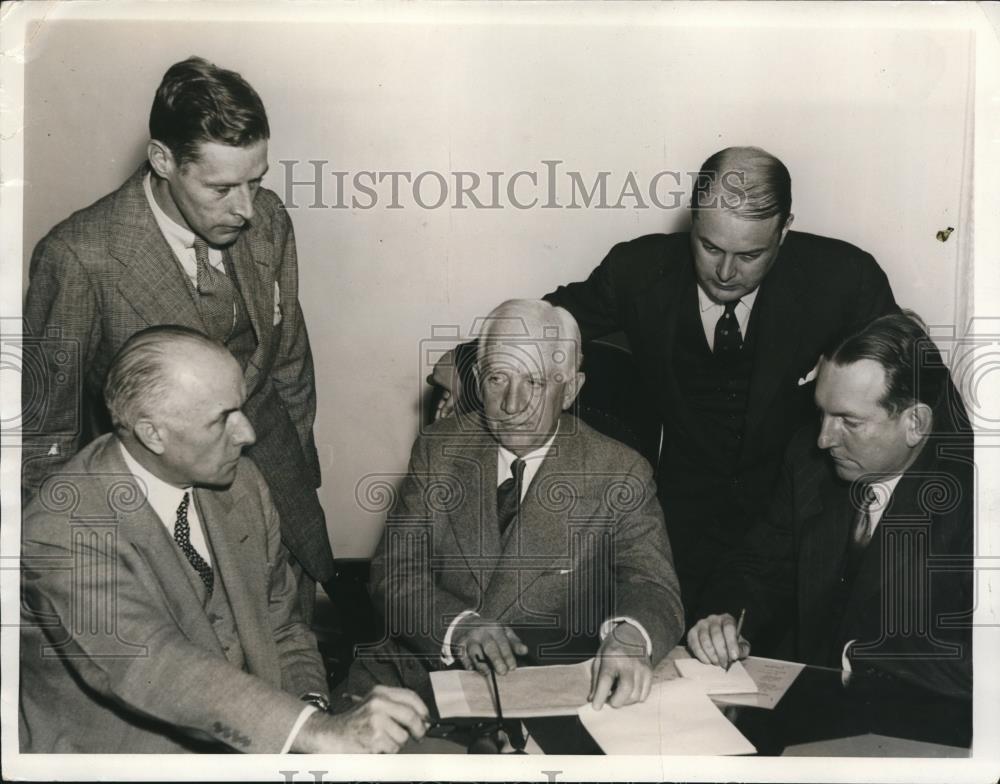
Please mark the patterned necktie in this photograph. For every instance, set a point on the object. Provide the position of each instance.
(728, 339)
(214, 298)
(509, 496)
(182, 535)
(861, 533)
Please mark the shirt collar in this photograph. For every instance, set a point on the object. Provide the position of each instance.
(171, 229)
(507, 457)
(705, 302)
(163, 497)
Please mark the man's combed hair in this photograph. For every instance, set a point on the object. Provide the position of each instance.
(915, 372)
(746, 181)
(199, 102)
(139, 378)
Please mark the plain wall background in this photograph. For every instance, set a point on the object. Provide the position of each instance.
(875, 126)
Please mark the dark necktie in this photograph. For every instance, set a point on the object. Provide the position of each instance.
(182, 535)
(215, 301)
(728, 340)
(509, 496)
(861, 534)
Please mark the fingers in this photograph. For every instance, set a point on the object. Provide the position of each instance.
(624, 684)
(719, 643)
(398, 713)
(712, 640)
(404, 696)
(519, 647)
(497, 648)
(744, 648)
(602, 688)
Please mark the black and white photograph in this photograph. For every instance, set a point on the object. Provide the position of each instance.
(608, 388)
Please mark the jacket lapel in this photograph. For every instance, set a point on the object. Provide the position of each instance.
(153, 282)
(237, 562)
(675, 289)
(776, 340)
(143, 530)
(256, 283)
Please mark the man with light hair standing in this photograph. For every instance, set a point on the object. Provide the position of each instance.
(160, 612)
(526, 525)
(725, 324)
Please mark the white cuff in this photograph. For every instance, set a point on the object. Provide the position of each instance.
(447, 658)
(307, 711)
(611, 623)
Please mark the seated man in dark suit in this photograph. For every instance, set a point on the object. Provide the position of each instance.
(524, 524)
(160, 611)
(725, 323)
(865, 557)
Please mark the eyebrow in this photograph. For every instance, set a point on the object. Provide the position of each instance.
(738, 252)
(214, 184)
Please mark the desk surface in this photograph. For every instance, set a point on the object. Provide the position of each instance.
(818, 707)
(818, 714)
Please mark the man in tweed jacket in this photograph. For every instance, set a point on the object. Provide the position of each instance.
(191, 239)
(465, 573)
(160, 613)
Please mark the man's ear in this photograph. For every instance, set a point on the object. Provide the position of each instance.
(786, 227)
(572, 388)
(148, 434)
(919, 422)
(160, 158)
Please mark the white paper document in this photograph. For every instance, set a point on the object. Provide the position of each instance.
(553, 690)
(715, 680)
(677, 719)
(772, 676)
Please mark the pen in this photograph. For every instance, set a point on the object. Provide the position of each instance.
(739, 628)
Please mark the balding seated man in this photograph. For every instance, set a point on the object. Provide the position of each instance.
(521, 526)
(160, 610)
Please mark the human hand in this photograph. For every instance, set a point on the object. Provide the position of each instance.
(446, 376)
(622, 672)
(380, 723)
(475, 638)
(712, 640)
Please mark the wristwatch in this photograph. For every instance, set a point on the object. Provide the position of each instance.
(317, 699)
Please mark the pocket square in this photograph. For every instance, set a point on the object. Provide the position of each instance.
(810, 376)
(277, 305)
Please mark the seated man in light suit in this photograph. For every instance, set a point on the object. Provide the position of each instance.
(865, 560)
(160, 610)
(524, 522)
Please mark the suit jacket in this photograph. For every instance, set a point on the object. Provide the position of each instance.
(117, 651)
(817, 289)
(107, 272)
(589, 544)
(909, 606)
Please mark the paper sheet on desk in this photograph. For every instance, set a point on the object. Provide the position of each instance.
(554, 690)
(715, 680)
(772, 676)
(678, 718)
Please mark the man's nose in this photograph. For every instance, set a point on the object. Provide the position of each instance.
(515, 399)
(827, 434)
(726, 269)
(243, 432)
(243, 202)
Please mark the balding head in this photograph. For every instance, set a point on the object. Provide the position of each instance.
(144, 372)
(747, 181)
(175, 397)
(528, 369)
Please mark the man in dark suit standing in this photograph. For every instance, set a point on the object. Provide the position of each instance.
(160, 612)
(725, 324)
(527, 524)
(864, 560)
(190, 238)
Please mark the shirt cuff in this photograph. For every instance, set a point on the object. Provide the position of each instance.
(845, 662)
(611, 623)
(447, 659)
(307, 711)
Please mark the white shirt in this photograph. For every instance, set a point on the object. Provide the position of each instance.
(883, 494)
(712, 311)
(532, 462)
(180, 238)
(165, 498)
